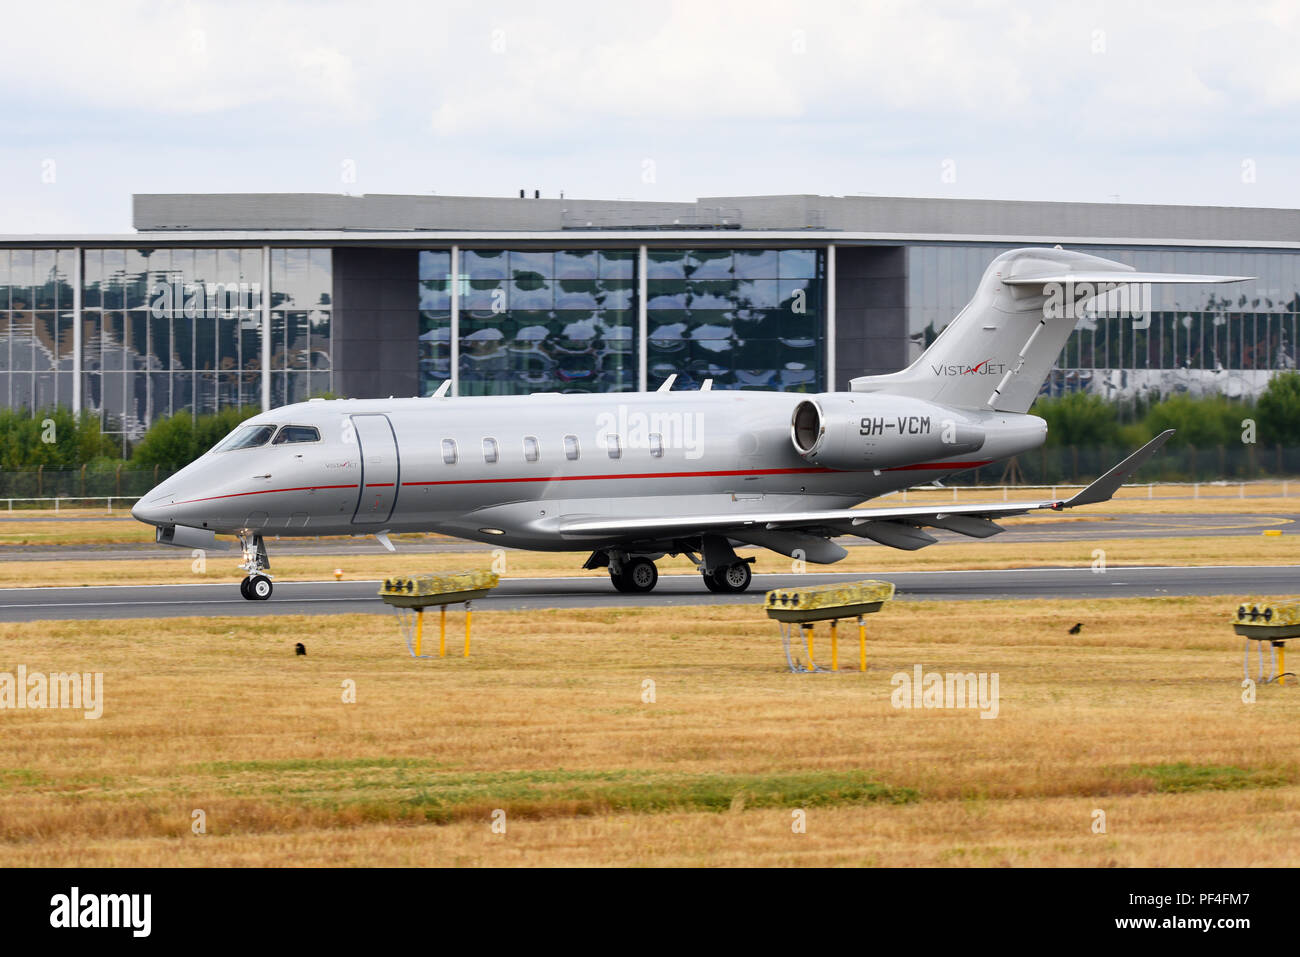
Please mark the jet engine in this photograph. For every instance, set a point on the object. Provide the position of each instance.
(858, 431)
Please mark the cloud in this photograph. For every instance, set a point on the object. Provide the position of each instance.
(1033, 100)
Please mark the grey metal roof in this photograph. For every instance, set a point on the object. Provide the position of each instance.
(874, 216)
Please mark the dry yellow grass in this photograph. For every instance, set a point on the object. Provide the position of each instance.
(1140, 716)
(221, 566)
(41, 527)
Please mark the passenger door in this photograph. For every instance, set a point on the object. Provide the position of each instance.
(380, 469)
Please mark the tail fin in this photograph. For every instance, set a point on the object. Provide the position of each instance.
(1000, 348)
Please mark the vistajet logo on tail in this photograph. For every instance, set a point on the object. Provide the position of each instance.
(987, 367)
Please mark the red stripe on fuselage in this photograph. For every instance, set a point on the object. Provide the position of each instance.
(262, 491)
(936, 466)
(631, 475)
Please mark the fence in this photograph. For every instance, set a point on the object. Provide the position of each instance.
(58, 503)
(1264, 488)
(1073, 465)
(86, 482)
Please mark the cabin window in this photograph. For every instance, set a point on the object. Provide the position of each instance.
(656, 445)
(612, 445)
(490, 453)
(449, 451)
(248, 437)
(297, 433)
(571, 450)
(532, 451)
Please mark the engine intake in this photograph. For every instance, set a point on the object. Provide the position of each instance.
(857, 432)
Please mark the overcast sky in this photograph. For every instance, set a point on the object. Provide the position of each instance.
(1181, 102)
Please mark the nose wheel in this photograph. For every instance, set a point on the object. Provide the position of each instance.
(256, 588)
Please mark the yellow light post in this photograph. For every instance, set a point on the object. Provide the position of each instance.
(419, 630)
(442, 633)
(835, 647)
(862, 644)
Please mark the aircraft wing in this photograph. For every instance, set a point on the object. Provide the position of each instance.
(899, 527)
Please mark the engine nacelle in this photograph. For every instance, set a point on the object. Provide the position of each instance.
(850, 431)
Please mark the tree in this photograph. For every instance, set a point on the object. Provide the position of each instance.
(1206, 422)
(1078, 418)
(174, 442)
(51, 438)
(1278, 411)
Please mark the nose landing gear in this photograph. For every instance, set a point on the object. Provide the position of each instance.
(256, 586)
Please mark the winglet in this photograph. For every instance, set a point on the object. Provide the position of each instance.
(1106, 486)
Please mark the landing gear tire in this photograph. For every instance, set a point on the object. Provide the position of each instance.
(639, 575)
(259, 588)
(243, 589)
(732, 578)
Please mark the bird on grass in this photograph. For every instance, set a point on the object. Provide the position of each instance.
(300, 649)
(1077, 628)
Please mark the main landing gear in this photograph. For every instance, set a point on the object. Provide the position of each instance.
(256, 586)
(722, 570)
(729, 578)
(636, 575)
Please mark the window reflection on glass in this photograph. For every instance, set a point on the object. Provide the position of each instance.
(531, 321)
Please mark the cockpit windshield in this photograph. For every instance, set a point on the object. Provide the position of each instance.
(245, 437)
(297, 433)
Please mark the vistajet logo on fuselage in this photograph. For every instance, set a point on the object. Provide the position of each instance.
(987, 367)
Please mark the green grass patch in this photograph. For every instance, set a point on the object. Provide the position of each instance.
(543, 794)
(1182, 778)
(21, 778)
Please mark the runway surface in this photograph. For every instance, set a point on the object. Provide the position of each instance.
(1047, 528)
(317, 598)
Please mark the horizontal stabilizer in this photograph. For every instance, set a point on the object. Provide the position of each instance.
(1101, 276)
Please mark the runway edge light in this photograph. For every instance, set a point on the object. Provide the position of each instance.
(411, 595)
(804, 606)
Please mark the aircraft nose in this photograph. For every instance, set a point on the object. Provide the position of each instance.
(149, 514)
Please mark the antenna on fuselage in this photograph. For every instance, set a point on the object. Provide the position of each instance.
(442, 390)
(667, 384)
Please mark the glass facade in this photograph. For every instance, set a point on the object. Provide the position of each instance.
(169, 328)
(1225, 339)
(746, 318)
(163, 330)
(567, 320)
(36, 335)
(531, 320)
(301, 310)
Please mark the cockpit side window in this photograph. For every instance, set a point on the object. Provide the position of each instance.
(246, 437)
(297, 433)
